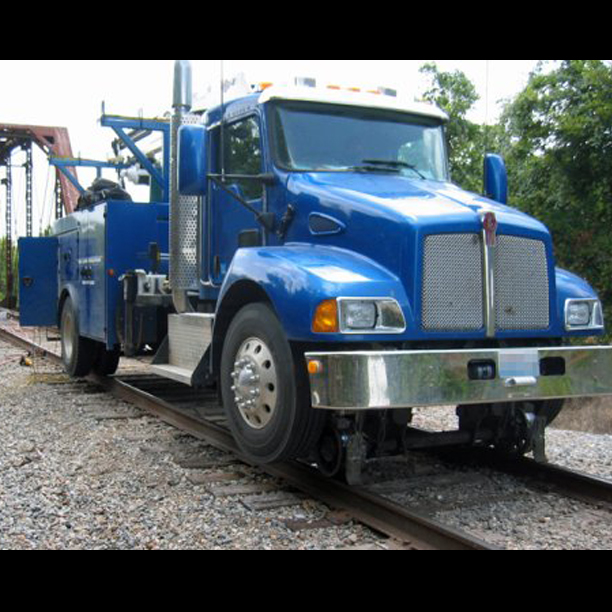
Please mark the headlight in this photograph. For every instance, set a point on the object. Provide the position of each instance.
(371, 316)
(583, 315)
(359, 316)
(578, 314)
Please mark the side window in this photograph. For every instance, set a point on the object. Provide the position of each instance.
(243, 154)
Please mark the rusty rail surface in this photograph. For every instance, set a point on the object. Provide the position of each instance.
(407, 529)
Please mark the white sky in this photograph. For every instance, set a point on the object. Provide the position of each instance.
(69, 93)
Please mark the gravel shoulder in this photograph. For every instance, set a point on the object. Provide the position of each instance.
(81, 470)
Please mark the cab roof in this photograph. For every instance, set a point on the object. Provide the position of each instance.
(344, 97)
(239, 107)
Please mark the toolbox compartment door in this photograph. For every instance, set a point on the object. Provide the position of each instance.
(38, 282)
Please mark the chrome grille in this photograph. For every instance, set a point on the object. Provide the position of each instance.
(453, 283)
(453, 286)
(522, 296)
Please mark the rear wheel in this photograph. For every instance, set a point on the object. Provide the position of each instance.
(265, 391)
(106, 362)
(78, 353)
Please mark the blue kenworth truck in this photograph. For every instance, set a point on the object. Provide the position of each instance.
(315, 264)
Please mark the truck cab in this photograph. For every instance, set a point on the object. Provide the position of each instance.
(327, 277)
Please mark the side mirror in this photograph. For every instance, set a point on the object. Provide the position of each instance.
(496, 178)
(192, 161)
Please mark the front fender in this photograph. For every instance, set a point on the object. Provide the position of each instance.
(296, 278)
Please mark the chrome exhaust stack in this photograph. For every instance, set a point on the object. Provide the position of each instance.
(184, 210)
(183, 86)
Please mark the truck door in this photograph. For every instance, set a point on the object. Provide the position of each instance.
(38, 282)
(243, 157)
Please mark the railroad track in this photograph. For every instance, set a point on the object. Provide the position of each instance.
(200, 416)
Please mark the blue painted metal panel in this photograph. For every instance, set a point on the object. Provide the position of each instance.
(226, 217)
(66, 166)
(298, 277)
(71, 251)
(68, 232)
(193, 160)
(229, 218)
(120, 124)
(38, 286)
(385, 220)
(496, 178)
(130, 230)
(97, 246)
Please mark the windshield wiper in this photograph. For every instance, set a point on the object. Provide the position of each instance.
(365, 167)
(396, 165)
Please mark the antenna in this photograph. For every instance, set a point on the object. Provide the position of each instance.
(486, 127)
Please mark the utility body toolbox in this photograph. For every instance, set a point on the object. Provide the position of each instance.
(87, 261)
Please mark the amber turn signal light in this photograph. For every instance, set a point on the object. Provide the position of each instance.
(326, 318)
(315, 367)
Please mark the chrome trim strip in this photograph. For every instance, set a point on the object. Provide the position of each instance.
(488, 269)
(367, 380)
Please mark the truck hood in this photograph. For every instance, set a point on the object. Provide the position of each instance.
(425, 205)
(386, 219)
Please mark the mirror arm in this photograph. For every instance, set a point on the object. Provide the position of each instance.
(266, 220)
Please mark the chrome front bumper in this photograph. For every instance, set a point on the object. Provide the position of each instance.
(400, 379)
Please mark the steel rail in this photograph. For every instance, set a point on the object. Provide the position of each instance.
(571, 483)
(406, 528)
(27, 344)
(403, 526)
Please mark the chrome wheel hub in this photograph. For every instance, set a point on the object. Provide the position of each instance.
(255, 383)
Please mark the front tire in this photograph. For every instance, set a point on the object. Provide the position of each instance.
(265, 390)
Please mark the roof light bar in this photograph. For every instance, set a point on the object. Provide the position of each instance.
(312, 83)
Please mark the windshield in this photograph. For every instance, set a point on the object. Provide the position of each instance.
(322, 137)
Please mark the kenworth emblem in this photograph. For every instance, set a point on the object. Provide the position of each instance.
(489, 223)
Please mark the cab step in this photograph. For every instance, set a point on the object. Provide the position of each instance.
(181, 357)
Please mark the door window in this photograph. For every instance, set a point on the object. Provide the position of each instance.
(243, 156)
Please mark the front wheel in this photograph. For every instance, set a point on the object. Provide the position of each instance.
(264, 389)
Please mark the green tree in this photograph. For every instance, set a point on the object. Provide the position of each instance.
(559, 156)
(454, 93)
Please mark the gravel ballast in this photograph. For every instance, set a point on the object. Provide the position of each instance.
(82, 470)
